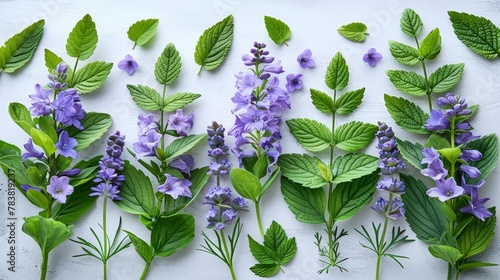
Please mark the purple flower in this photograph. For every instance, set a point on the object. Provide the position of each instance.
(28, 187)
(217, 195)
(476, 207)
(472, 171)
(435, 170)
(59, 188)
(394, 211)
(128, 64)
(305, 60)
(146, 123)
(66, 145)
(465, 137)
(274, 68)
(31, 151)
(445, 190)
(40, 102)
(253, 119)
(147, 144)
(389, 166)
(469, 189)
(391, 185)
(223, 210)
(221, 168)
(175, 187)
(68, 110)
(180, 123)
(294, 82)
(58, 77)
(70, 173)
(106, 190)
(372, 57)
(246, 83)
(429, 155)
(184, 164)
(437, 121)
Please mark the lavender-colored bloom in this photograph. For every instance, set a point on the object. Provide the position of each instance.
(445, 189)
(429, 155)
(70, 173)
(437, 121)
(223, 210)
(465, 137)
(217, 195)
(246, 83)
(28, 187)
(391, 185)
(248, 60)
(253, 119)
(472, 171)
(394, 211)
(175, 187)
(304, 59)
(128, 64)
(31, 151)
(469, 189)
(242, 100)
(58, 77)
(66, 145)
(60, 188)
(146, 123)
(274, 68)
(389, 166)
(435, 170)
(106, 190)
(68, 110)
(184, 164)
(238, 203)
(476, 207)
(372, 57)
(222, 168)
(147, 144)
(180, 122)
(40, 102)
(294, 82)
(470, 155)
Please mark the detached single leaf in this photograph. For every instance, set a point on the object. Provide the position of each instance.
(337, 73)
(179, 100)
(278, 31)
(82, 40)
(301, 169)
(349, 101)
(322, 101)
(47, 233)
(354, 31)
(407, 115)
(307, 204)
(19, 49)
(312, 135)
(403, 53)
(354, 136)
(51, 60)
(214, 44)
(407, 82)
(142, 31)
(91, 76)
(352, 166)
(410, 23)
(446, 77)
(145, 97)
(168, 65)
(95, 125)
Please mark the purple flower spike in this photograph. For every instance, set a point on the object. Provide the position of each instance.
(305, 60)
(31, 151)
(66, 145)
(294, 82)
(476, 207)
(128, 64)
(175, 187)
(60, 188)
(445, 190)
(372, 57)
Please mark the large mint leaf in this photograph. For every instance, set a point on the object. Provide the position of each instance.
(171, 234)
(82, 40)
(308, 205)
(179, 100)
(168, 65)
(431, 45)
(488, 146)
(301, 169)
(446, 77)
(349, 101)
(352, 166)
(407, 115)
(94, 126)
(312, 135)
(477, 236)
(142, 31)
(337, 73)
(403, 53)
(214, 44)
(354, 31)
(91, 76)
(145, 97)
(278, 31)
(410, 23)
(354, 136)
(407, 82)
(182, 145)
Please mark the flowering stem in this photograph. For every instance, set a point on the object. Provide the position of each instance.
(74, 71)
(381, 242)
(259, 220)
(145, 271)
(228, 256)
(45, 259)
(105, 241)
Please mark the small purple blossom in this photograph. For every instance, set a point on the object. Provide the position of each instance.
(147, 144)
(294, 82)
(437, 121)
(175, 187)
(476, 207)
(40, 102)
(274, 68)
(435, 170)
(180, 122)
(28, 187)
(445, 190)
(59, 188)
(429, 155)
(128, 64)
(223, 208)
(472, 171)
(184, 164)
(372, 57)
(66, 145)
(106, 190)
(394, 211)
(304, 59)
(391, 185)
(469, 189)
(70, 173)
(31, 151)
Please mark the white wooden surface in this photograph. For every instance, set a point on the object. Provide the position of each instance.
(314, 24)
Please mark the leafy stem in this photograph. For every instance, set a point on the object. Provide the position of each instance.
(105, 239)
(74, 71)
(259, 220)
(228, 256)
(145, 271)
(162, 116)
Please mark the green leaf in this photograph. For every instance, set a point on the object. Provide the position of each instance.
(354, 136)
(94, 126)
(19, 49)
(141, 247)
(446, 77)
(82, 40)
(423, 213)
(322, 101)
(214, 44)
(37, 198)
(47, 233)
(182, 145)
(142, 31)
(479, 34)
(352, 166)
(261, 253)
(474, 264)
(77, 204)
(265, 270)
(278, 31)
(349, 197)
(246, 184)
(448, 254)
(14, 162)
(431, 45)
(407, 82)
(51, 60)
(21, 116)
(47, 124)
(325, 171)
(269, 181)
(354, 31)
(145, 97)
(136, 192)
(478, 234)
(337, 73)
(403, 53)
(91, 76)
(172, 233)
(301, 169)
(307, 204)
(407, 115)
(349, 101)
(411, 152)
(168, 65)
(260, 167)
(410, 23)
(488, 146)
(312, 135)
(437, 142)
(179, 100)
(43, 140)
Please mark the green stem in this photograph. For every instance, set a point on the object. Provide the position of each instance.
(135, 44)
(427, 88)
(228, 256)
(457, 274)
(162, 139)
(45, 260)
(449, 272)
(105, 241)
(74, 71)
(145, 271)
(199, 71)
(259, 220)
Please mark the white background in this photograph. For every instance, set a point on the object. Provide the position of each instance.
(313, 24)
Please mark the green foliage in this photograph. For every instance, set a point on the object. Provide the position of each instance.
(178, 100)
(91, 76)
(307, 204)
(337, 73)
(488, 146)
(136, 192)
(278, 31)
(95, 124)
(411, 152)
(43, 141)
(312, 135)
(447, 253)
(47, 233)
(168, 65)
(322, 101)
(182, 145)
(431, 45)
(403, 53)
(408, 82)
(141, 247)
(349, 101)
(145, 97)
(142, 31)
(214, 44)
(21, 116)
(352, 166)
(354, 136)
(246, 184)
(410, 23)
(354, 31)
(82, 40)
(51, 60)
(407, 115)
(37, 198)
(476, 237)
(301, 169)
(446, 77)
(172, 233)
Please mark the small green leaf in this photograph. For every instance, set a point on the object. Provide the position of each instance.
(312, 135)
(451, 154)
(488, 147)
(214, 44)
(407, 115)
(171, 234)
(354, 136)
(141, 247)
(265, 270)
(354, 31)
(246, 184)
(437, 142)
(278, 31)
(269, 181)
(325, 171)
(307, 204)
(410, 23)
(14, 162)
(37, 178)
(403, 53)
(261, 253)
(95, 125)
(19, 49)
(431, 45)
(301, 169)
(43, 140)
(474, 264)
(91, 76)
(352, 166)
(260, 167)
(349, 101)
(322, 101)
(408, 82)
(168, 65)
(47, 233)
(179, 100)
(411, 152)
(21, 116)
(37, 198)
(142, 31)
(51, 60)
(145, 97)
(478, 234)
(47, 124)
(446, 77)
(448, 254)
(337, 73)
(82, 40)
(479, 34)
(77, 204)
(183, 145)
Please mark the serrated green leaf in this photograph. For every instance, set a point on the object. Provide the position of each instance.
(448, 254)
(91, 76)
(82, 40)
(179, 100)
(403, 53)
(141, 247)
(182, 145)
(246, 184)
(145, 97)
(407, 115)
(214, 44)
(354, 136)
(260, 252)
(301, 169)
(488, 147)
(446, 77)
(337, 73)
(19, 49)
(286, 251)
(478, 234)
(411, 152)
(12, 161)
(479, 34)
(43, 141)
(95, 125)
(325, 171)
(322, 101)
(171, 234)
(51, 60)
(307, 204)
(352, 166)
(408, 82)
(278, 31)
(21, 116)
(349, 101)
(431, 45)
(265, 270)
(354, 31)
(274, 236)
(47, 233)
(168, 65)
(142, 31)
(410, 23)
(312, 135)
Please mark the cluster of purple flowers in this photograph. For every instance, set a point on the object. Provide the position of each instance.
(217, 150)
(390, 166)
(224, 209)
(108, 178)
